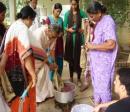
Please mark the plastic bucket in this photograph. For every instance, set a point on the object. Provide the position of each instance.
(82, 108)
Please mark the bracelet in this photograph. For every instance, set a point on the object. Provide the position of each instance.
(94, 47)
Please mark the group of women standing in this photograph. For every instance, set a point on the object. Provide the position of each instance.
(102, 48)
(74, 39)
(28, 56)
(24, 58)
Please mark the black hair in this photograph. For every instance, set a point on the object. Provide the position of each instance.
(58, 6)
(75, 0)
(124, 77)
(74, 18)
(2, 7)
(54, 28)
(26, 12)
(96, 7)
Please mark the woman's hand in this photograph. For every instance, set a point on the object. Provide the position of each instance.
(97, 108)
(81, 30)
(53, 66)
(33, 80)
(45, 60)
(29, 65)
(104, 105)
(106, 46)
(70, 30)
(90, 46)
(61, 34)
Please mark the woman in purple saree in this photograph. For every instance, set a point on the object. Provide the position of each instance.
(103, 51)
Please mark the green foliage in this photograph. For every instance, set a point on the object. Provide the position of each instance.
(7, 6)
(118, 9)
(6, 2)
(20, 4)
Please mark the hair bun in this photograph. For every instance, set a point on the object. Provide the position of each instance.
(19, 15)
(104, 9)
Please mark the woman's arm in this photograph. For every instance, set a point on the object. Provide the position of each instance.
(30, 68)
(107, 45)
(104, 105)
(3, 60)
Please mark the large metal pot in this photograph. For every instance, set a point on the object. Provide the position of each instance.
(65, 97)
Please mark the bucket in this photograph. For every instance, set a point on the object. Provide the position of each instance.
(82, 108)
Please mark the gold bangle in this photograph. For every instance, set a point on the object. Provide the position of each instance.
(94, 47)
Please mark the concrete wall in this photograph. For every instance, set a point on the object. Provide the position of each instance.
(124, 36)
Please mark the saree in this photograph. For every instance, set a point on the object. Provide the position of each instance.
(102, 63)
(59, 49)
(44, 87)
(17, 48)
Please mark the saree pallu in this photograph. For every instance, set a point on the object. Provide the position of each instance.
(44, 86)
(17, 79)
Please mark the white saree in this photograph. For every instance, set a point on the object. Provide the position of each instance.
(44, 87)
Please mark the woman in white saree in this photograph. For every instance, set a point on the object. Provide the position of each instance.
(43, 38)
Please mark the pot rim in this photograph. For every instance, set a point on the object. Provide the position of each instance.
(73, 90)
